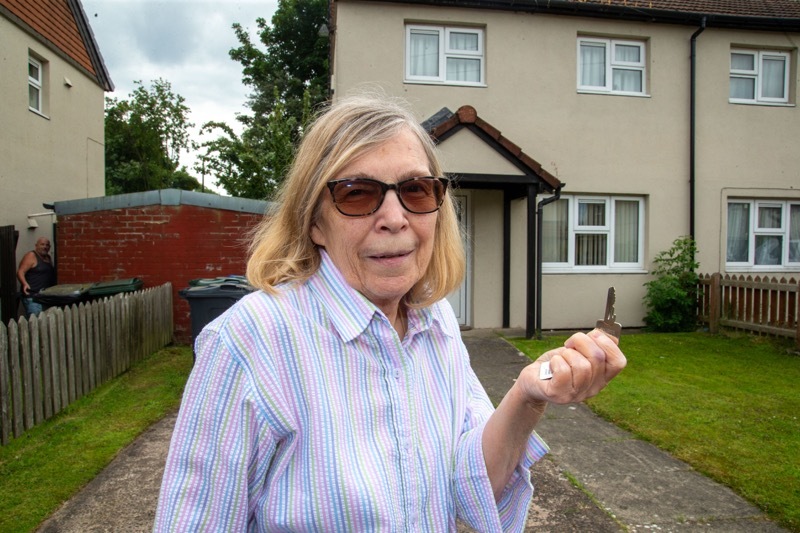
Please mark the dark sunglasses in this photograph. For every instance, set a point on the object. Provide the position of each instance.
(358, 197)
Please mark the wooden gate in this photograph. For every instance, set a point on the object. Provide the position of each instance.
(8, 273)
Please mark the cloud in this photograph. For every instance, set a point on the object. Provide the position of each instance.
(185, 42)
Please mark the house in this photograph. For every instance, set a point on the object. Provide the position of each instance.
(53, 83)
(629, 123)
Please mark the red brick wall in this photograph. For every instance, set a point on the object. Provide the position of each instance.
(157, 244)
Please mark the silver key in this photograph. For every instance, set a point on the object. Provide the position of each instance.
(608, 324)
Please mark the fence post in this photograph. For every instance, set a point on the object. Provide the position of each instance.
(714, 303)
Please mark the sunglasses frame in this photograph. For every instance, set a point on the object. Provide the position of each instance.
(384, 187)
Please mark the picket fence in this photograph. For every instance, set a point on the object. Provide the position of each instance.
(50, 360)
(764, 305)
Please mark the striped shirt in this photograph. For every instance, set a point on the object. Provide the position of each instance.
(306, 412)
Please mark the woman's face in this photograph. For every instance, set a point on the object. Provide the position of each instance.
(384, 254)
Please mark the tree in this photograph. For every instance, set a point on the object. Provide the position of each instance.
(253, 165)
(289, 77)
(144, 138)
(671, 298)
(294, 61)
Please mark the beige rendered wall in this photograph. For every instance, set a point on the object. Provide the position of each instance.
(58, 155)
(595, 143)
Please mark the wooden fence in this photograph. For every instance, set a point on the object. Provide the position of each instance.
(61, 355)
(768, 306)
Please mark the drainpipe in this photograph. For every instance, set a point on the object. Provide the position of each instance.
(692, 126)
(542, 203)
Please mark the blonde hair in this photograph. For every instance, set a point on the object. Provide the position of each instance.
(281, 248)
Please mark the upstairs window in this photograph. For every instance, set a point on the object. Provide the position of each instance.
(34, 85)
(763, 235)
(759, 77)
(593, 234)
(611, 66)
(446, 55)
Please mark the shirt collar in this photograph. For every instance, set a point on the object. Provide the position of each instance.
(351, 312)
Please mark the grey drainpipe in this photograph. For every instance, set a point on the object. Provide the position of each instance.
(692, 126)
(542, 203)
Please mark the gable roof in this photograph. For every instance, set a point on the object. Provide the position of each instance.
(445, 123)
(62, 26)
(766, 15)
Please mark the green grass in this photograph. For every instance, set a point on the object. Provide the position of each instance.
(729, 405)
(50, 463)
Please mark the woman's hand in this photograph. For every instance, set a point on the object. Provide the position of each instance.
(581, 368)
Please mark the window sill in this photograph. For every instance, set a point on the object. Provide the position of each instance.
(763, 104)
(576, 270)
(765, 269)
(35, 112)
(612, 93)
(446, 83)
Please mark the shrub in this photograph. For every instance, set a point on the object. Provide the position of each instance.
(671, 298)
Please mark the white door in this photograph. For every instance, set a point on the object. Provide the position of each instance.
(460, 297)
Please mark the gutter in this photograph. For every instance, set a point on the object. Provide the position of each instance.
(542, 203)
(693, 127)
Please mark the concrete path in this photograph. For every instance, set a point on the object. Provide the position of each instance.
(626, 484)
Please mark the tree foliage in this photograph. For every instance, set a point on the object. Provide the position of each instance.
(144, 138)
(288, 75)
(671, 298)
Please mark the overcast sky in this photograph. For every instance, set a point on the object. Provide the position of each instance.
(185, 42)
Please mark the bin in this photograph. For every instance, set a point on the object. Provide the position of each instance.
(110, 288)
(208, 301)
(63, 295)
(232, 279)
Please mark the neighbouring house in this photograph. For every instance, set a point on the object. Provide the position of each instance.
(53, 83)
(586, 136)
(157, 236)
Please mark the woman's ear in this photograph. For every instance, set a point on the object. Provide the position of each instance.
(317, 235)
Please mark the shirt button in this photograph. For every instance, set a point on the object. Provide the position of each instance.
(396, 374)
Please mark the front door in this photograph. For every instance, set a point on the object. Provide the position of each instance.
(459, 298)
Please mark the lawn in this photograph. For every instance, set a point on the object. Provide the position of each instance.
(51, 462)
(729, 405)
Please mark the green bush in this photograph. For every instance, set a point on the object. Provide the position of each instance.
(671, 298)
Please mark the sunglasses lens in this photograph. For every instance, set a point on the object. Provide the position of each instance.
(357, 197)
(422, 195)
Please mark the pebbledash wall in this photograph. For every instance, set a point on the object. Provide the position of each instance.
(157, 236)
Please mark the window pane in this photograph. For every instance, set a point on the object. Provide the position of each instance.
(33, 97)
(424, 49)
(464, 41)
(794, 233)
(593, 65)
(555, 227)
(738, 232)
(772, 77)
(627, 80)
(743, 88)
(769, 217)
(768, 249)
(34, 72)
(591, 214)
(459, 69)
(626, 231)
(627, 53)
(590, 249)
(743, 62)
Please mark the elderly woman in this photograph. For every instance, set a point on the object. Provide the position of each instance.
(340, 397)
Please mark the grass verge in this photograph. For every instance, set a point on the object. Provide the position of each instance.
(51, 462)
(729, 405)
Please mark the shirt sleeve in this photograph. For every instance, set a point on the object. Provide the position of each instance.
(475, 502)
(220, 450)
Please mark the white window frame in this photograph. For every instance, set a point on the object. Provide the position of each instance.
(754, 231)
(446, 52)
(612, 64)
(575, 228)
(757, 75)
(36, 83)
